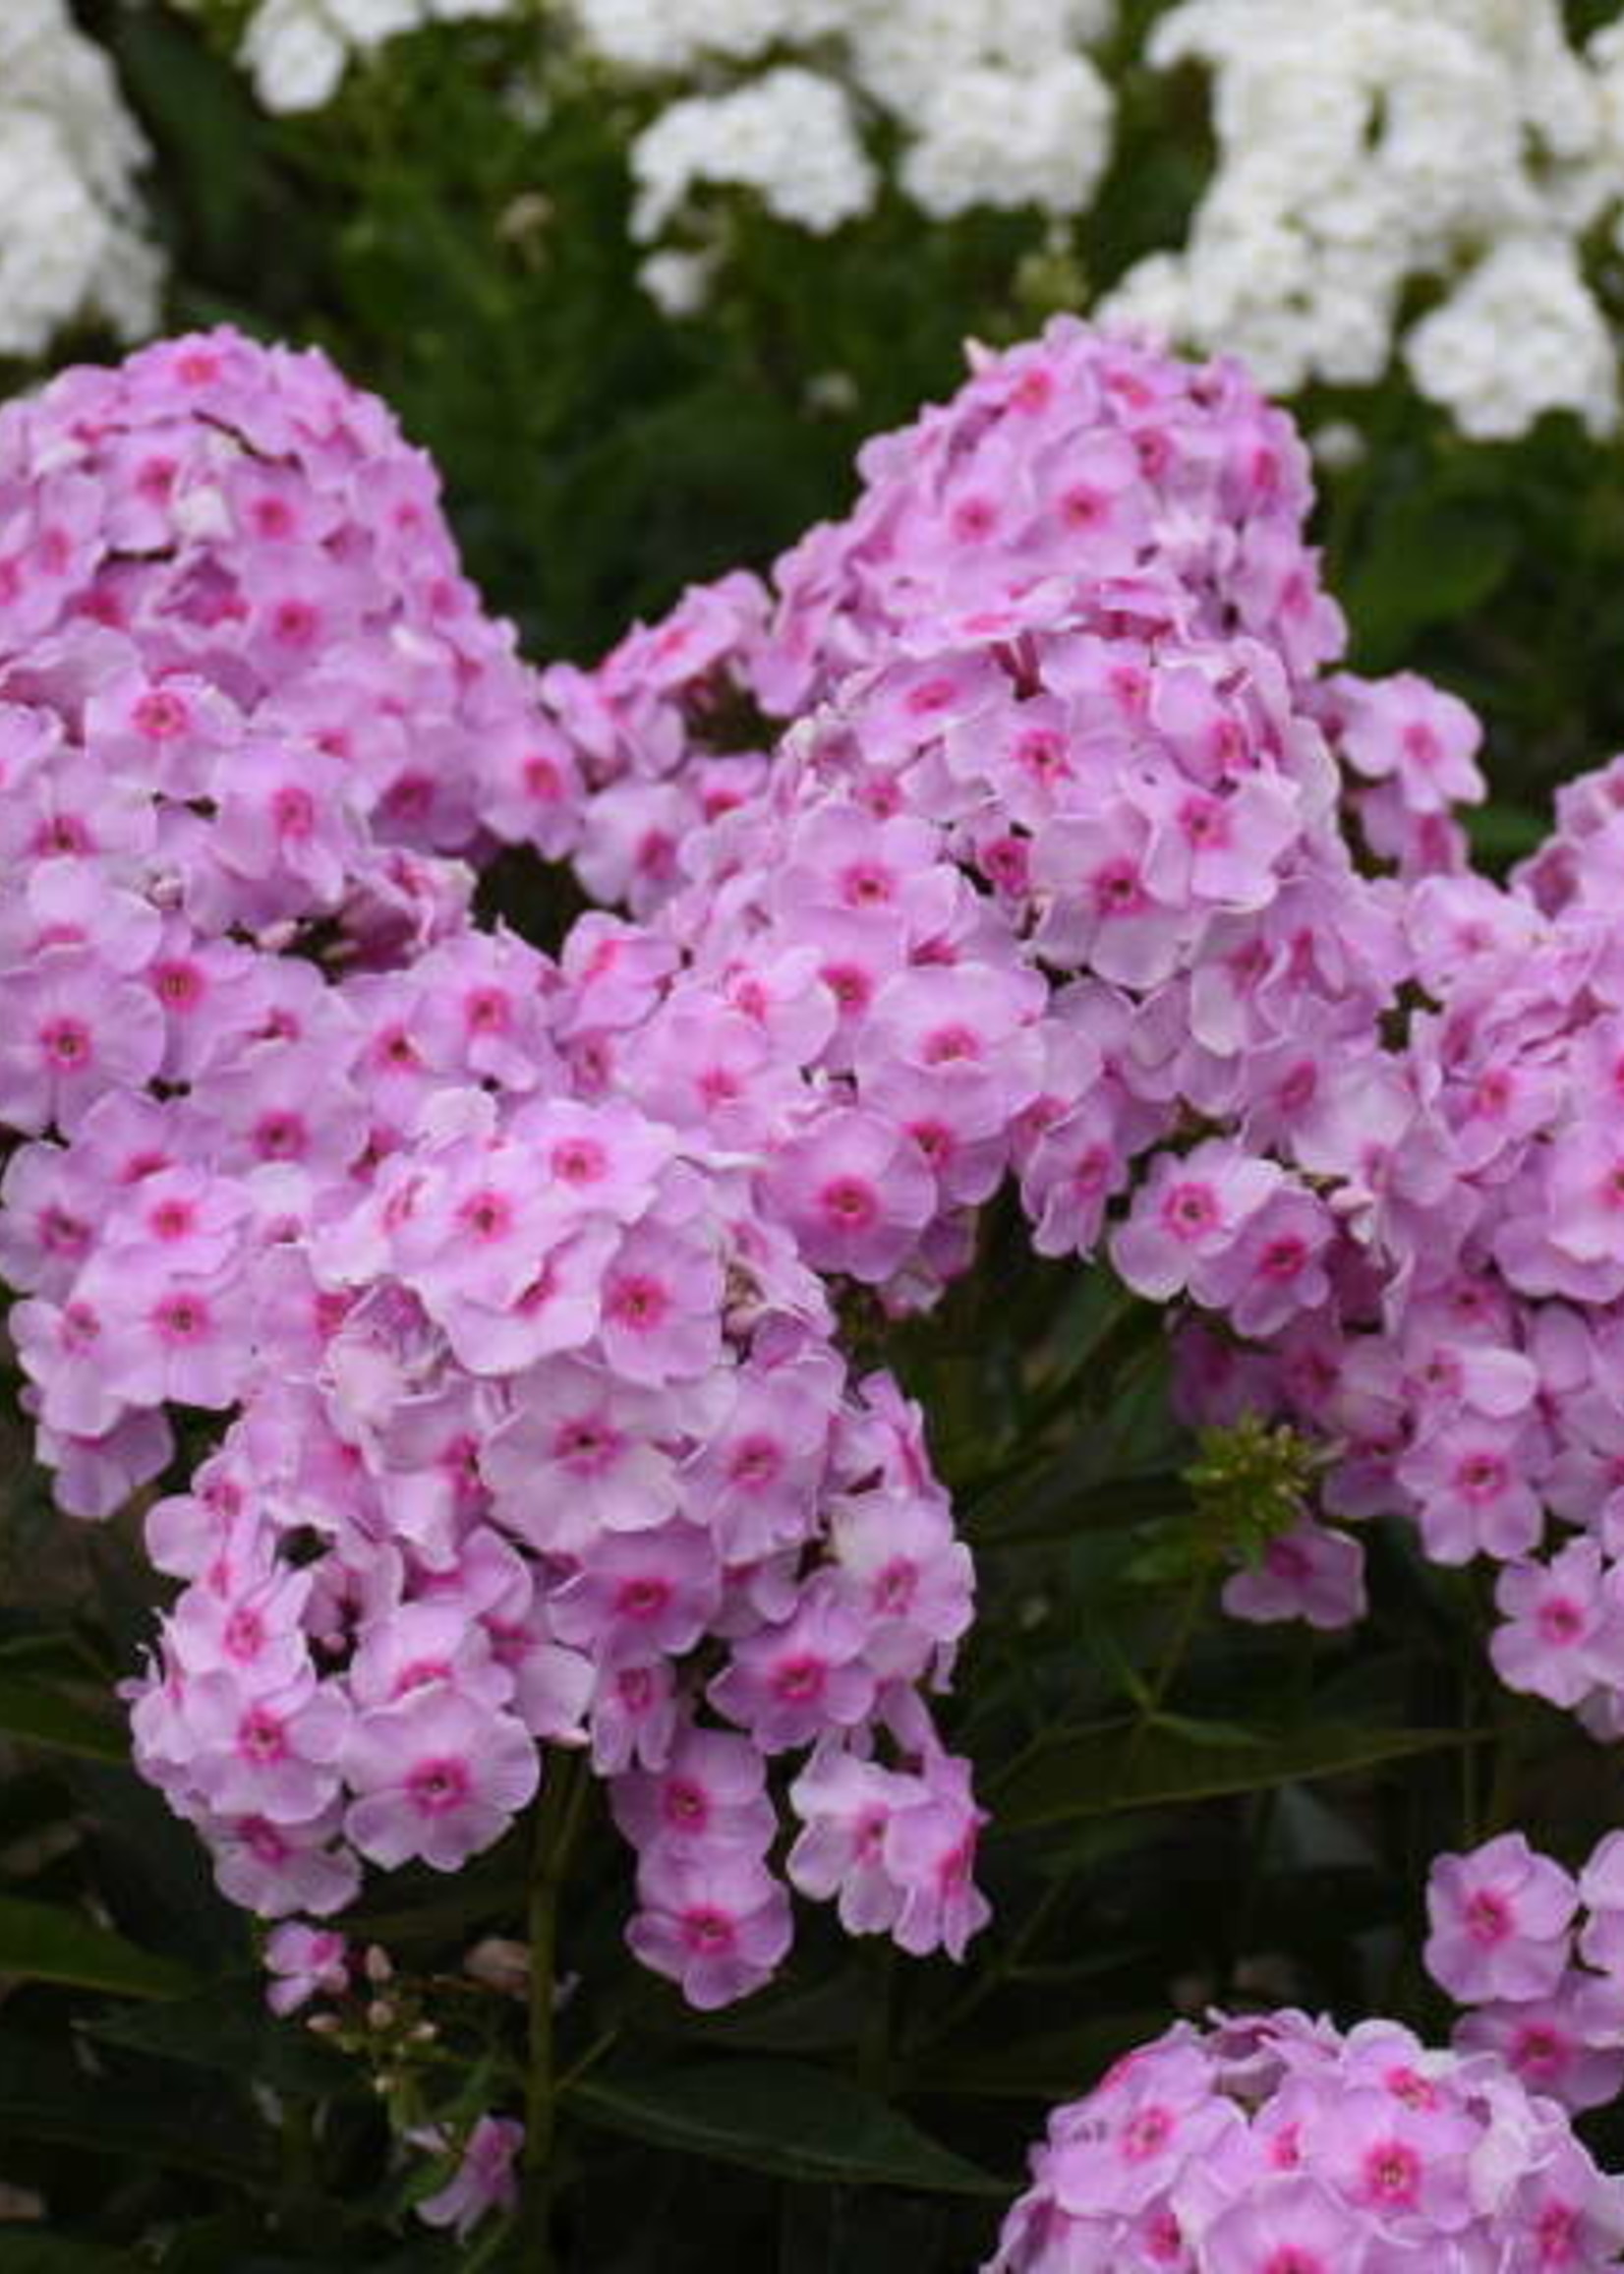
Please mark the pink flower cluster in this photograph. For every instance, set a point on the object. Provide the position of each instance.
(243, 692)
(1546, 1992)
(522, 1278)
(542, 1436)
(1080, 844)
(1276, 2144)
(1113, 891)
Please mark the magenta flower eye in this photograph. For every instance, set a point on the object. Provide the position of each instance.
(67, 1043)
(179, 986)
(293, 813)
(710, 1932)
(1488, 1917)
(755, 1463)
(281, 1137)
(686, 1805)
(181, 1319)
(272, 517)
(295, 623)
(580, 1161)
(800, 1680)
(487, 1012)
(638, 1301)
(952, 1045)
(849, 1203)
(487, 1215)
(1146, 2133)
(63, 832)
(1392, 2174)
(1118, 891)
(1561, 1621)
(244, 1634)
(261, 1737)
(643, 1599)
(436, 1788)
(894, 1588)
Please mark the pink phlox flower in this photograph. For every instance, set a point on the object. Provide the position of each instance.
(1500, 1921)
(437, 1775)
(308, 1962)
(483, 2181)
(1312, 1573)
(1190, 1210)
(712, 1919)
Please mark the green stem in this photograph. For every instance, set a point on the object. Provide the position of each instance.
(1172, 1657)
(558, 1820)
(997, 1970)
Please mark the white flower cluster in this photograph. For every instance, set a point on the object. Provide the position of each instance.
(1420, 177)
(73, 245)
(994, 101)
(789, 136)
(299, 50)
(1366, 145)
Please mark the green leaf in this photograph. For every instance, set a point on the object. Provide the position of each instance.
(38, 2252)
(1096, 1772)
(36, 1716)
(1050, 1513)
(44, 2096)
(228, 2028)
(799, 2018)
(41, 1943)
(1429, 559)
(783, 2116)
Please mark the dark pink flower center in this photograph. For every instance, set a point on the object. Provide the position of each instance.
(1118, 891)
(579, 1161)
(1488, 1917)
(1145, 2132)
(66, 1042)
(1561, 1621)
(261, 1737)
(755, 1463)
(1190, 1210)
(848, 1203)
(797, 1682)
(244, 1635)
(182, 1318)
(684, 1804)
(1392, 2174)
(438, 1787)
(638, 1301)
(708, 1932)
(643, 1599)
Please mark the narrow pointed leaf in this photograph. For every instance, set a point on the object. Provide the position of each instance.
(36, 1716)
(785, 2117)
(1092, 1773)
(41, 1943)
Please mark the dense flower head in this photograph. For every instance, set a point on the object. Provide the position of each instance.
(1279, 2144)
(518, 1280)
(543, 1441)
(537, 1432)
(1075, 863)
